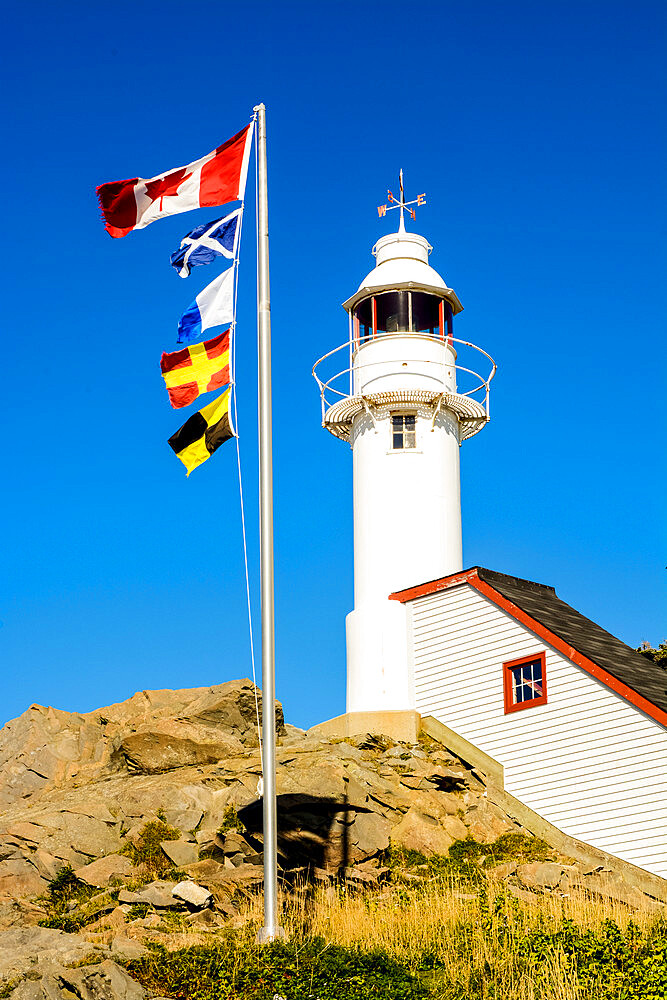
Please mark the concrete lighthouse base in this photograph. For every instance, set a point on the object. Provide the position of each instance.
(404, 727)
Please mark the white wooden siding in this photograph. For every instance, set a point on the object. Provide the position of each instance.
(588, 761)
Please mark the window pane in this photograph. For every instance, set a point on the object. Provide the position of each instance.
(363, 313)
(425, 311)
(404, 430)
(527, 681)
(527, 677)
(392, 312)
(397, 430)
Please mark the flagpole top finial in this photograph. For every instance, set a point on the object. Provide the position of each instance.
(259, 107)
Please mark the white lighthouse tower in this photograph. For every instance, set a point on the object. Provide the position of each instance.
(399, 393)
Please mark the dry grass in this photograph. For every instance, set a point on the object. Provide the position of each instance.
(404, 921)
(472, 941)
(460, 943)
(407, 922)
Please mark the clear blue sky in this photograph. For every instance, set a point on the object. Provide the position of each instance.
(536, 130)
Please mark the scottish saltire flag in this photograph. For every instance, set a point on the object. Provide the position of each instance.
(215, 179)
(214, 306)
(206, 242)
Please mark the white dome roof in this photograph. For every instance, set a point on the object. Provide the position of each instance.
(402, 262)
(402, 257)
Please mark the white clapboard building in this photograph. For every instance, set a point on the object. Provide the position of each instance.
(577, 719)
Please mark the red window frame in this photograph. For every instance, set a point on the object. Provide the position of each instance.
(511, 706)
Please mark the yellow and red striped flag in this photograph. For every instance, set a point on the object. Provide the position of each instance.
(196, 369)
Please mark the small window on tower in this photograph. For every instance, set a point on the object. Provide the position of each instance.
(403, 433)
(525, 682)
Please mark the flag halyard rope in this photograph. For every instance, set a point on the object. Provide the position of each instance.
(241, 502)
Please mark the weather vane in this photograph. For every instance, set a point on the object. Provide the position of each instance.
(401, 202)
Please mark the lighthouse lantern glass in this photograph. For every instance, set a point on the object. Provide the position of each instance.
(402, 312)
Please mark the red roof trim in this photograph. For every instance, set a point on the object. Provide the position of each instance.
(471, 577)
(433, 586)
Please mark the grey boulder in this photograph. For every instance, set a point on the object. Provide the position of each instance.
(194, 895)
(105, 981)
(157, 894)
(100, 873)
(25, 949)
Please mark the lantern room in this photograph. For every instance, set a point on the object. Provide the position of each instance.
(403, 311)
(402, 294)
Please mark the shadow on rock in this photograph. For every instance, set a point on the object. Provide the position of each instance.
(313, 832)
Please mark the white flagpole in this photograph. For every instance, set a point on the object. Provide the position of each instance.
(270, 931)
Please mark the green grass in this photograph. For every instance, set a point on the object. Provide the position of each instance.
(307, 969)
(61, 892)
(509, 847)
(566, 961)
(603, 964)
(466, 860)
(146, 851)
(609, 963)
(230, 821)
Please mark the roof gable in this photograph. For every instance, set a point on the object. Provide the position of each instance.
(591, 647)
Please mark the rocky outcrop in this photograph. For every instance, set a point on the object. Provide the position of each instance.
(187, 763)
(101, 872)
(29, 949)
(152, 731)
(190, 757)
(38, 963)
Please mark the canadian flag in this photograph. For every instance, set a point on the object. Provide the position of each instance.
(215, 179)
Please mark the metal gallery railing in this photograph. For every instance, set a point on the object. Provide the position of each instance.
(331, 393)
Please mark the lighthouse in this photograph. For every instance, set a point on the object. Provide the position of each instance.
(496, 668)
(405, 393)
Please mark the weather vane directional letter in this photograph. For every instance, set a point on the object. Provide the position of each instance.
(401, 202)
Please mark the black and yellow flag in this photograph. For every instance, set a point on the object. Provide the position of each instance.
(204, 432)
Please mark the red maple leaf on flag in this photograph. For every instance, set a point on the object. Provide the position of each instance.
(168, 185)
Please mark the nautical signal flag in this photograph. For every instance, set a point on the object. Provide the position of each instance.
(214, 306)
(204, 432)
(215, 179)
(207, 242)
(196, 369)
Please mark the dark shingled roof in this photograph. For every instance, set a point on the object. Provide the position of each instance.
(621, 661)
